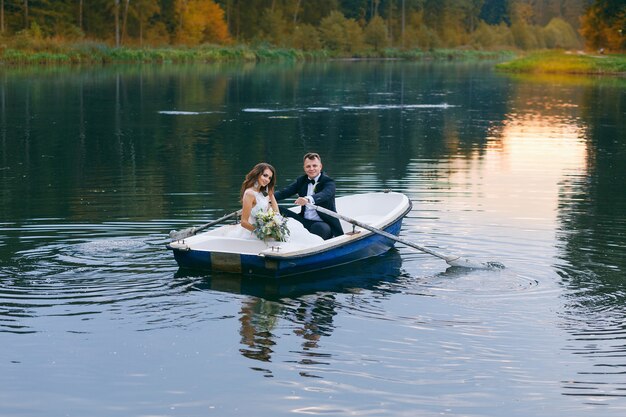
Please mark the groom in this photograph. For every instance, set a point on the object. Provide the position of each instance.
(317, 188)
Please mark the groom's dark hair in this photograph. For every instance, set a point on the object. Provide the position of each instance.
(312, 155)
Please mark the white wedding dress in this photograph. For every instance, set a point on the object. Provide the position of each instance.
(298, 237)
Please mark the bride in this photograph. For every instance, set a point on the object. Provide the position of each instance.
(257, 195)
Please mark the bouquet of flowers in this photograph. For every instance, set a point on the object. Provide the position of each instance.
(270, 224)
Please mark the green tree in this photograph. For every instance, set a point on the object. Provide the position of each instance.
(454, 22)
(560, 34)
(452, 19)
(340, 34)
(312, 12)
(273, 27)
(306, 37)
(243, 18)
(472, 10)
(418, 34)
(142, 14)
(524, 33)
(358, 10)
(495, 12)
(376, 33)
(546, 10)
(492, 36)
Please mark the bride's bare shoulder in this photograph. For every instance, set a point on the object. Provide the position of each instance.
(248, 193)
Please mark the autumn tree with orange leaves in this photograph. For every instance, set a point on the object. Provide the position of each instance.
(604, 25)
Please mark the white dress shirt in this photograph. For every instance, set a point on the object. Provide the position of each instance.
(311, 213)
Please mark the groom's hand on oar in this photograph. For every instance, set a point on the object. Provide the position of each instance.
(302, 201)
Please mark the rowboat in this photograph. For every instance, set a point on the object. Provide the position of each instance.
(216, 251)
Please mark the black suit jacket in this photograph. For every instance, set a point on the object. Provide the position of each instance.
(323, 195)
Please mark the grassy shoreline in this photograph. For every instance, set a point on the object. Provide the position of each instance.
(562, 62)
(99, 53)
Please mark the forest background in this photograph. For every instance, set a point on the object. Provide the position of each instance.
(339, 27)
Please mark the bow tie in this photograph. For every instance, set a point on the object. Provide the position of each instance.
(310, 181)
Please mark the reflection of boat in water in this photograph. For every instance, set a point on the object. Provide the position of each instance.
(216, 251)
(346, 278)
(307, 301)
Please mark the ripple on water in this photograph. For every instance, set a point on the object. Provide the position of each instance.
(487, 283)
(86, 278)
(599, 340)
(103, 252)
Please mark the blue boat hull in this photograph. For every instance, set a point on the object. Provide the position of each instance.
(279, 266)
(341, 279)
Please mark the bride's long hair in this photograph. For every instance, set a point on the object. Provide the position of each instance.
(253, 176)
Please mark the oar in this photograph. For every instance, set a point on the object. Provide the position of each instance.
(453, 260)
(190, 231)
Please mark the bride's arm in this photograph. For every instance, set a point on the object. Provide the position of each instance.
(248, 201)
(273, 202)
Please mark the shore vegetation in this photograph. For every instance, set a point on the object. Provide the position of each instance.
(566, 62)
(47, 51)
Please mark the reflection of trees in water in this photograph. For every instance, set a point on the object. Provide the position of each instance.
(592, 208)
(396, 131)
(96, 137)
(593, 250)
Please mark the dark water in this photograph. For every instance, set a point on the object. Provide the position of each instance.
(98, 165)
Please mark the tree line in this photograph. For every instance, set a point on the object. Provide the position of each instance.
(344, 26)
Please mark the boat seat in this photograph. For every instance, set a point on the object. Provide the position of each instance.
(369, 219)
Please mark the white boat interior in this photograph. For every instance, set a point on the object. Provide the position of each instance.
(373, 209)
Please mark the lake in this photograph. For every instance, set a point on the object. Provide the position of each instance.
(98, 164)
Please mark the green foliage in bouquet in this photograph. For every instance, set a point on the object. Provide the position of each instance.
(270, 224)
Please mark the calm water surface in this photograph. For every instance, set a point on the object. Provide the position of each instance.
(98, 165)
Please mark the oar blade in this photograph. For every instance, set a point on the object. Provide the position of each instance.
(495, 265)
(468, 263)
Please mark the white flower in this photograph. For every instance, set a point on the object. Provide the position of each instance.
(269, 224)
